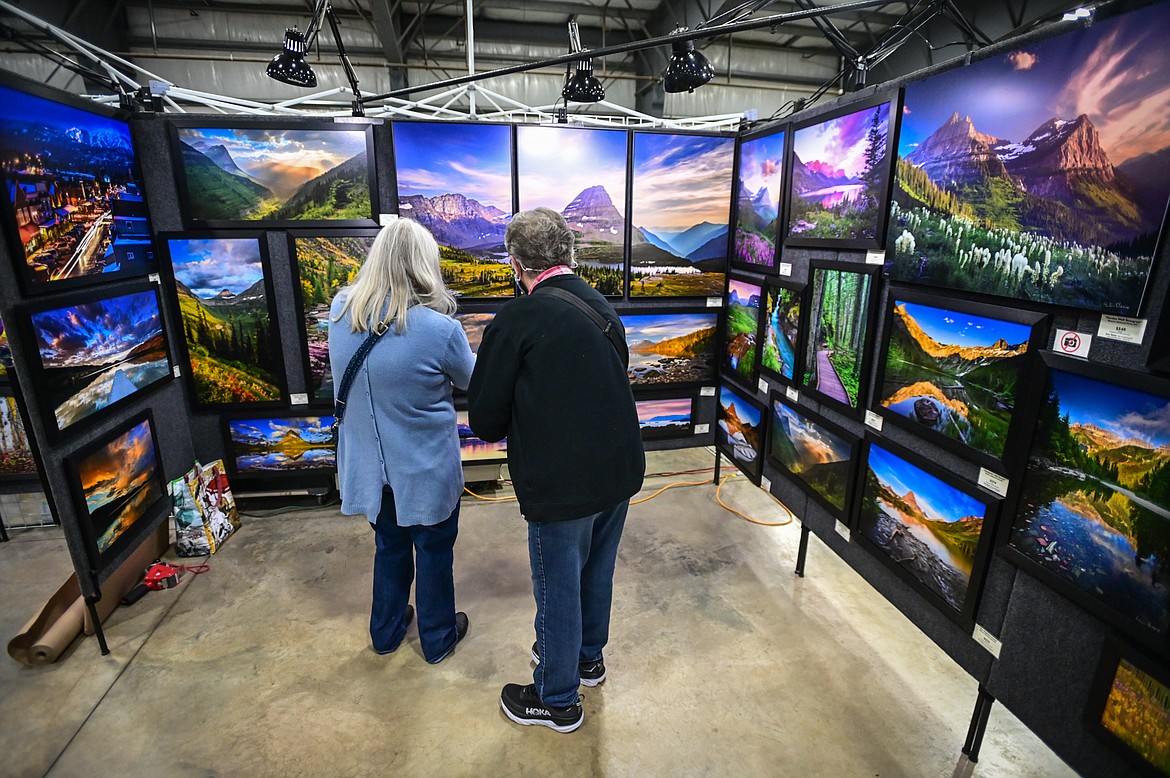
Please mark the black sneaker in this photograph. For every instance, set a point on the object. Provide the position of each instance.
(523, 705)
(461, 627)
(592, 673)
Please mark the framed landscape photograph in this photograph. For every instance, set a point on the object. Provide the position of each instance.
(840, 177)
(455, 179)
(739, 432)
(119, 486)
(759, 197)
(741, 351)
(817, 455)
(1129, 707)
(18, 464)
(474, 322)
(1041, 173)
(324, 263)
(225, 305)
(931, 527)
(782, 331)
(97, 351)
(581, 174)
(841, 312)
(1093, 516)
(680, 215)
(671, 348)
(71, 205)
(667, 416)
(954, 371)
(474, 450)
(279, 446)
(284, 173)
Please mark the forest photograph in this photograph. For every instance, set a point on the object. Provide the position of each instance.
(456, 180)
(953, 373)
(226, 318)
(1094, 510)
(671, 348)
(839, 177)
(813, 453)
(926, 526)
(95, 353)
(665, 418)
(1137, 712)
(581, 174)
(782, 309)
(256, 174)
(759, 188)
(282, 445)
(120, 482)
(1041, 173)
(740, 350)
(681, 211)
(324, 265)
(838, 329)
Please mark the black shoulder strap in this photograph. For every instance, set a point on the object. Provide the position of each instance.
(355, 364)
(603, 324)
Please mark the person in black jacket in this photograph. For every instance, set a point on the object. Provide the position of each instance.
(547, 378)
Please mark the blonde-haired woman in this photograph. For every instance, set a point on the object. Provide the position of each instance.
(398, 446)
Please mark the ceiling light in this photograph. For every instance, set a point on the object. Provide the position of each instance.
(584, 86)
(687, 68)
(289, 66)
(1079, 13)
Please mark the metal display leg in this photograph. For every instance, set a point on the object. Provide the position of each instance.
(978, 727)
(91, 606)
(802, 551)
(718, 459)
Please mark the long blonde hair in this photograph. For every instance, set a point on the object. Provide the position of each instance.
(402, 270)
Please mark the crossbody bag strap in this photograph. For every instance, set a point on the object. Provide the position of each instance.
(350, 374)
(605, 325)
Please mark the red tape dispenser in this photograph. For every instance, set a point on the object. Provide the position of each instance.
(162, 576)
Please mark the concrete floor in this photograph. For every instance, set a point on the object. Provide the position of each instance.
(721, 662)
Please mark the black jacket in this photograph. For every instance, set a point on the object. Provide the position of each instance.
(549, 380)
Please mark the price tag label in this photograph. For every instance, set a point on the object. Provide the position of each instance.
(766, 483)
(385, 219)
(791, 393)
(993, 482)
(873, 420)
(1074, 344)
(702, 429)
(707, 391)
(714, 302)
(762, 385)
(1122, 328)
(176, 372)
(987, 640)
(154, 277)
(875, 257)
(299, 398)
(785, 268)
(841, 529)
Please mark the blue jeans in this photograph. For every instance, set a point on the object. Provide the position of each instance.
(394, 568)
(572, 580)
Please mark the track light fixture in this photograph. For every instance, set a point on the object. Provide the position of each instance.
(583, 87)
(687, 68)
(290, 67)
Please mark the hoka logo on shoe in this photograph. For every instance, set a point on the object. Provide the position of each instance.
(536, 712)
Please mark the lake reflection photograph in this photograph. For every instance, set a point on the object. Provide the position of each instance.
(671, 348)
(1094, 506)
(120, 482)
(282, 445)
(476, 449)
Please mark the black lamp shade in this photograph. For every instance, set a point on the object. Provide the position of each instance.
(289, 65)
(583, 87)
(687, 68)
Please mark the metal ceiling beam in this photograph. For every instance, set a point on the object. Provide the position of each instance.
(497, 31)
(581, 9)
(386, 28)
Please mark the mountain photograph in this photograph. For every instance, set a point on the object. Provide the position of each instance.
(681, 211)
(759, 189)
(928, 527)
(474, 323)
(94, 354)
(120, 482)
(1040, 174)
(838, 332)
(671, 348)
(475, 449)
(246, 174)
(324, 265)
(1095, 506)
(741, 430)
(456, 180)
(231, 342)
(954, 373)
(282, 445)
(740, 350)
(781, 330)
(580, 174)
(839, 172)
(668, 418)
(820, 458)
